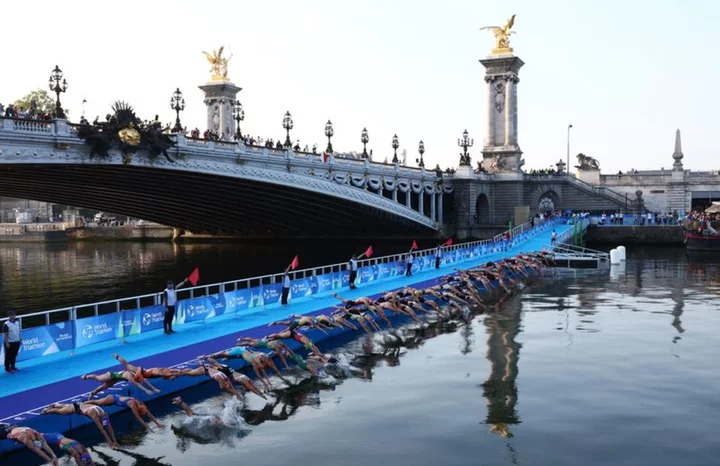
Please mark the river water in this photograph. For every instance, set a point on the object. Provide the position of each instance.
(583, 368)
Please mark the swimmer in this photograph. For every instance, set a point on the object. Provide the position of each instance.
(94, 413)
(31, 438)
(258, 361)
(297, 321)
(218, 376)
(190, 413)
(239, 378)
(73, 448)
(138, 408)
(152, 373)
(291, 334)
(277, 347)
(108, 379)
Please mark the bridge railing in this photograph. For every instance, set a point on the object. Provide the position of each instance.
(73, 327)
(599, 190)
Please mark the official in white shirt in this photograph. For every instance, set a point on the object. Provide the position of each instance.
(11, 341)
(438, 256)
(169, 300)
(353, 267)
(285, 288)
(408, 266)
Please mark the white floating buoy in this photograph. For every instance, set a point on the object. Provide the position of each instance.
(621, 250)
(614, 257)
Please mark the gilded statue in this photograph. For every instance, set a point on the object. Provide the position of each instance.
(502, 35)
(219, 65)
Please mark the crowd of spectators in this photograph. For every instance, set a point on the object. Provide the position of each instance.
(30, 113)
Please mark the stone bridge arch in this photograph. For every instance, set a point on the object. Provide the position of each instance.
(545, 198)
(483, 215)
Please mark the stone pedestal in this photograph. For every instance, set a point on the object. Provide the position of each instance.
(501, 152)
(465, 172)
(219, 98)
(591, 175)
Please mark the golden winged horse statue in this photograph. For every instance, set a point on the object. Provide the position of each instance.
(502, 34)
(218, 64)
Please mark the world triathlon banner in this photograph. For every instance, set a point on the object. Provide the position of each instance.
(48, 339)
(97, 329)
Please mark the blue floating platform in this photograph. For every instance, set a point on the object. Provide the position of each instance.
(56, 378)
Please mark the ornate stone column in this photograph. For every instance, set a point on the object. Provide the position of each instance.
(433, 201)
(490, 129)
(421, 201)
(440, 208)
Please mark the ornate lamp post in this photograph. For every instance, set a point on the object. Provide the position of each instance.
(57, 87)
(395, 145)
(465, 142)
(329, 133)
(177, 103)
(421, 149)
(238, 115)
(364, 138)
(288, 125)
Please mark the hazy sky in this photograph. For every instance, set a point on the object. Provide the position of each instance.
(626, 74)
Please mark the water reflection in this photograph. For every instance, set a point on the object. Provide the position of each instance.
(503, 353)
(112, 460)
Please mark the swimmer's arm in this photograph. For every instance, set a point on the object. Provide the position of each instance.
(148, 392)
(152, 387)
(31, 446)
(99, 425)
(139, 418)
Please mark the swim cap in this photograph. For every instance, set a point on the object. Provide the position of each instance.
(85, 458)
(37, 443)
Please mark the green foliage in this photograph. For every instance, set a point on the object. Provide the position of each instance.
(44, 102)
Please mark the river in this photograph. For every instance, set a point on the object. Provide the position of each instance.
(581, 368)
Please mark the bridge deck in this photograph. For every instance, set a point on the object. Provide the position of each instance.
(56, 377)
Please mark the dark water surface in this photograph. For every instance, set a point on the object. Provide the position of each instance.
(37, 277)
(581, 369)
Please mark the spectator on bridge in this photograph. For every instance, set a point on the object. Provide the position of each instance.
(169, 300)
(11, 334)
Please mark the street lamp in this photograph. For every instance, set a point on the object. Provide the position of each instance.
(364, 138)
(57, 87)
(465, 142)
(421, 149)
(288, 125)
(395, 145)
(177, 103)
(238, 115)
(329, 133)
(568, 149)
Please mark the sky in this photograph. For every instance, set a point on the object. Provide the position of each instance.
(625, 74)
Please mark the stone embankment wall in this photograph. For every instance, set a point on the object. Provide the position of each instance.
(146, 233)
(635, 234)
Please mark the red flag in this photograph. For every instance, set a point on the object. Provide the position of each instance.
(194, 277)
(368, 251)
(294, 264)
(414, 246)
(448, 242)
(325, 157)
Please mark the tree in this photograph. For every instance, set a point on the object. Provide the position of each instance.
(44, 103)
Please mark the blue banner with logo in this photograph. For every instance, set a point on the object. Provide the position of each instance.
(271, 294)
(301, 287)
(385, 270)
(197, 309)
(343, 279)
(91, 330)
(49, 339)
(151, 317)
(256, 296)
(324, 282)
(238, 300)
(130, 322)
(365, 274)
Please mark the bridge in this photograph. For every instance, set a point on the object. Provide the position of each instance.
(221, 187)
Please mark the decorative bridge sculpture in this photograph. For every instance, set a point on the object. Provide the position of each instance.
(31, 150)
